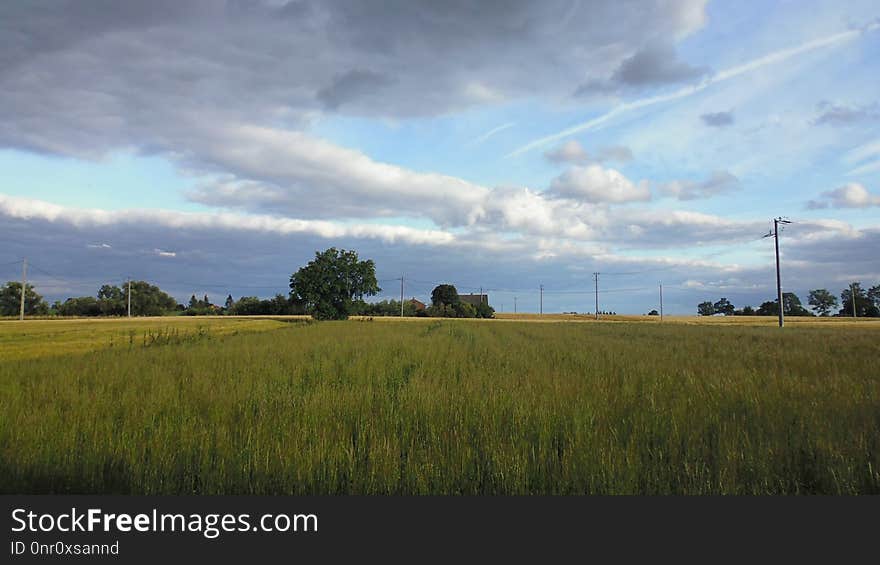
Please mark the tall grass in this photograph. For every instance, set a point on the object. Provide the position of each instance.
(452, 407)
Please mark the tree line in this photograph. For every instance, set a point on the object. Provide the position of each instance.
(853, 299)
(334, 285)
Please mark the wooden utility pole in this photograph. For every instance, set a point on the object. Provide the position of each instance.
(852, 292)
(775, 235)
(129, 297)
(401, 296)
(596, 280)
(23, 288)
(542, 300)
(661, 302)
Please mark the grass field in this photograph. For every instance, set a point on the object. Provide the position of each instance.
(263, 406)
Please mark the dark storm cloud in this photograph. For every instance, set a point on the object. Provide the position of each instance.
(193, 82)
(74, 253)
(352, 85)
(84, 77)
(717, 119)
(655, 64)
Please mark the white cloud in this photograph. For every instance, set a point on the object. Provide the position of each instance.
(569, 152)
(719, 182)
(29, 209)
(295, 174)
(594, 183)
(573, 152)
(851, 195)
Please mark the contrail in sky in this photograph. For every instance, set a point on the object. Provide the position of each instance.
(490, 133)
(721, 76)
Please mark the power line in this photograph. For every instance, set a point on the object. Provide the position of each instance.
(596, 280)
(775, 235)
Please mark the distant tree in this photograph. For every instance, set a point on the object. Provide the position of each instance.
(111, 300)
(769, 308)
(483, 310)
(445, 295)
(10, 300)
(83, 306)
(865, 307)
(874, 295)
(791, 305)
(653, 313)
(384, 308)
(446, 303)
(747, 311)
(247, 306)
(329, 284)
(705, 308)
(148, 300)
(723, 306)
(229, 303)
(822, 301)
(278, 305)
(193, 302)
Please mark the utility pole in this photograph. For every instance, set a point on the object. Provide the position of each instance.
(596, 280)
(852, 291)
(775, 235)
(401, 296)
(23, 288)
(129, 297)
(514, 304)
(661, 302)
(542, 301)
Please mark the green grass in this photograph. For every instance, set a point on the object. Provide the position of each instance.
(452, 407)
(50, 337)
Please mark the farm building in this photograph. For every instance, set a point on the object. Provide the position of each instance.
(417, 304)
(474, 299)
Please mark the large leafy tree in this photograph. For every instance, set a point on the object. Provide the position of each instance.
(822, 301)
(79, 306)
(111, 300)
(331, 283)
(723, 306)
(445, 295)
(791, 305)
(10, 300)
(865, 307)
(148, 299)
(705, 308)
(768, 308)
(874, 295)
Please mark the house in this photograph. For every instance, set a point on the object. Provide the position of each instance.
(418, 305)
(474, 299)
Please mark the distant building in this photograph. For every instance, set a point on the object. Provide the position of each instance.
(417, 304)
(474, 299)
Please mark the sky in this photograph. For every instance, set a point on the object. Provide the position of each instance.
(213, 147)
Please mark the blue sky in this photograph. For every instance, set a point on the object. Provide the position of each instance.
(213, 147)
